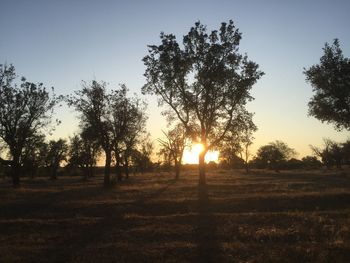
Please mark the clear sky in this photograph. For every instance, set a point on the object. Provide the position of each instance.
(63, 42)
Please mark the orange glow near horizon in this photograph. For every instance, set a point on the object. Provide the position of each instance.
(190, 155)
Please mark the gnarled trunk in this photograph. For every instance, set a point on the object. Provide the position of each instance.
(126, 167)
(107, 179)
(15, 173)
(118, 169)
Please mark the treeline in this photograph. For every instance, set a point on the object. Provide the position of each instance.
(204, 84)
(111, 123)
(279, 156)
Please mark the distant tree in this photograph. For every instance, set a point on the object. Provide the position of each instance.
(119, 121)
(83, 152)
(332, 153)
(93, 103)
(274, 154)
(330, 80)
(174, 146)
(141, 157)
(311, 162)
(346, 151)
(25, 110)
(135, 129)
(238, 140)
(129, 124)
(32, 155)
(204, 84)
(57, 152)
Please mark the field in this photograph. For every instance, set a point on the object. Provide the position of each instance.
(261, 217)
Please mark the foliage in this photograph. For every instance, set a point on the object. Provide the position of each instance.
(141, 156)
(57, 152)
(237, 141)
(173, 146)
(330, 80)
(274, 154)
(332, 153)
(116, 120)
(83, 152)
(25, 110)
(205, 84)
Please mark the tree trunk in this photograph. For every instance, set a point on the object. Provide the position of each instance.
(107, 179)
(118, 170)
(177, 170)
(201, 166)
(126, 167)
(15, 172)
(53, 172)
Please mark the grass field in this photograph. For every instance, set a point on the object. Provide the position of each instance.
(262, 217)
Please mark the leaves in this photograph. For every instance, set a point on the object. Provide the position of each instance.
(330, 81)
(204, 82)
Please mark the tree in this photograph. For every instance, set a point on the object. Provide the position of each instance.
(141, 157)
(238, 140)
(274, 154)
(129, 124)
(25, 110)
(174, 145)
(311, 162)
(134, 130)
(32, 155)
(204, 84)
(330, 80)
(332, 153)
(83, 152)
(57, 152)
(93, 103)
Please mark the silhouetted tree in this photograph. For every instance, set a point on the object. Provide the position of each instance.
(174, 145)
(141, 157)
(330, 80)
(346, 151)
(238, 140)
(83, 152)
(93, 103)
(135, 129)
(204, 83)
(331, 154)
(32, 155)
(311, 162)
(57, 152)
(274, 154)
(25, 110)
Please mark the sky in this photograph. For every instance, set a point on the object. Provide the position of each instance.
(61, 43)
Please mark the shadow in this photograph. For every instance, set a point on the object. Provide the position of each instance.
(112, 217)
(206, 229)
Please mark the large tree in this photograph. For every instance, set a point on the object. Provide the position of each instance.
(25, 109)
(330, 81)
(204, 82)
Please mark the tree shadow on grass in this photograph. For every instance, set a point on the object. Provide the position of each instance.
(86, 237)
(206, 229)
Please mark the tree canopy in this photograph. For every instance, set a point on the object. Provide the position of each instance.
(25, 110)
(205, 82)
(330, 81)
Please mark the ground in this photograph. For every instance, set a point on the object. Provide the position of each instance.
(261, 217)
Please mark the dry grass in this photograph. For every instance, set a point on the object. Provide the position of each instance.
(262, 217)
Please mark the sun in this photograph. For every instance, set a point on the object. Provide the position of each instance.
(191, 154)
